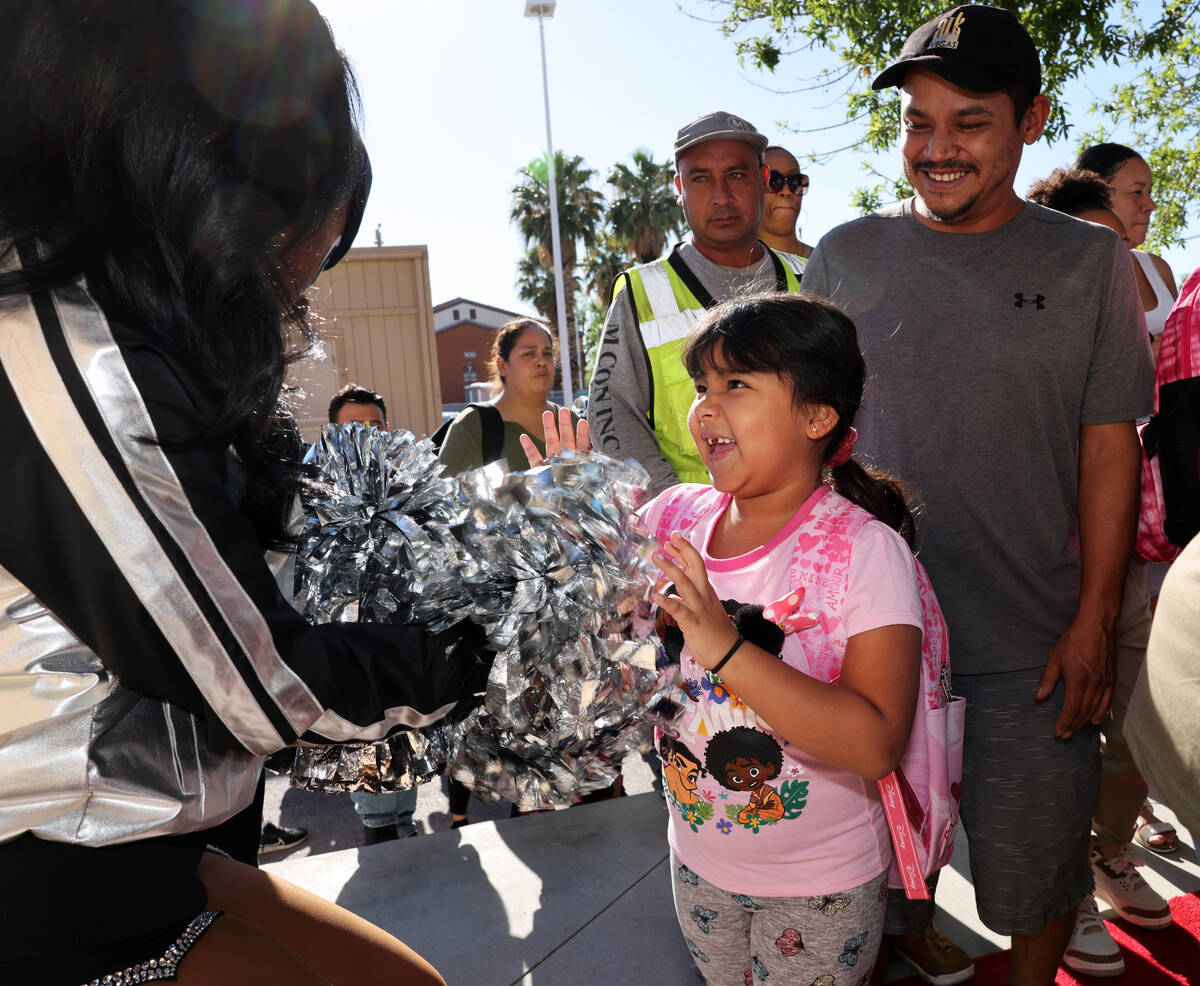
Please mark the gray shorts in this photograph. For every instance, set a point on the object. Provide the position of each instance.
(1027, 802)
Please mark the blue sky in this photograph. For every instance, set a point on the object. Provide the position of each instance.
(452, 96)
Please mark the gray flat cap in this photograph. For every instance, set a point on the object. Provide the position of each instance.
(718, 126)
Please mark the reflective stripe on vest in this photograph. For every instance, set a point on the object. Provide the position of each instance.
(666, 311)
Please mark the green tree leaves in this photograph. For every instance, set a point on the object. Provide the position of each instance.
(1155, 112)
(1159, 108)
(644, 212)
(580, 208)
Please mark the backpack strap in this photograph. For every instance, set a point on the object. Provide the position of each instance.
(439, 437)
(848, 520)
(689, 278)
(904, 839)
(781, 283)
(493, 432)
(844, 519)
(702, 294)
(491, 424)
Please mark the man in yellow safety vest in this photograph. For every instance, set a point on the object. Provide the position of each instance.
(640, 391)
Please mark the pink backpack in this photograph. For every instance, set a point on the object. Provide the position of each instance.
(1170, 511)
(921, 796)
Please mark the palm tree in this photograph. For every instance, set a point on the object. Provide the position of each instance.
(580, 210)
(603, 265)
(591, 316)
(644, 210)
(535, 284)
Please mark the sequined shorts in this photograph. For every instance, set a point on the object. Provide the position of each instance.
(165, 965)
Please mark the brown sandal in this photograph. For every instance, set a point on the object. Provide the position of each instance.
(1150, 827)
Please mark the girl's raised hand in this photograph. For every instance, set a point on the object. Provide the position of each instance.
(706, 626)
(559, 435)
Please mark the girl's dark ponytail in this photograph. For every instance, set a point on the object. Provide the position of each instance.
(878, 493)
(812, 344)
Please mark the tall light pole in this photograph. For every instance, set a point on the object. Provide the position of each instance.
(542, 9)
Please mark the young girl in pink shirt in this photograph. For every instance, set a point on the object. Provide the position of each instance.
(780, 848)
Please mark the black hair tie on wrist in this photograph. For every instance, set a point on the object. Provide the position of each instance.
(725, 660)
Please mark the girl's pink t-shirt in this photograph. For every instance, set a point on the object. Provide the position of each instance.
(749, 812)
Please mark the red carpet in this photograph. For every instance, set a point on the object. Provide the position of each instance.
(1152, 958)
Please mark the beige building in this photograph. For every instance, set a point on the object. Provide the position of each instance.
(375, 320)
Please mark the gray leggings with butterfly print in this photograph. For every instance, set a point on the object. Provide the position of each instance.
(738, 940)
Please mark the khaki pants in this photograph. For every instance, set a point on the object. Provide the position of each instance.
(1163, 727)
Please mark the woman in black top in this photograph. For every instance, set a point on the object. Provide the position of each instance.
(173, 176)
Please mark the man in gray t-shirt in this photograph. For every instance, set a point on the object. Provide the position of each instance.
(1007, 362)
(987, 354)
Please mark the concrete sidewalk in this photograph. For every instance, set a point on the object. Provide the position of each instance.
(580, 896)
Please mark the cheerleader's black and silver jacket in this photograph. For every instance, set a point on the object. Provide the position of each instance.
(148, 661)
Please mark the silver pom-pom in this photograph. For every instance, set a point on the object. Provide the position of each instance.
(566, 578)
(377, 543)
(375, 547)
(549, 563)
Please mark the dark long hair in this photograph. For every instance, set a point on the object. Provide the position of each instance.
(1105, 159)
(813, 345)
(507, 336)
(172, 153)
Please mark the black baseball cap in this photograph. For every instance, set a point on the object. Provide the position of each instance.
(980, 49)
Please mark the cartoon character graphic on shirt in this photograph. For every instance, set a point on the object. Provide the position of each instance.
(739, 757)
(745, 759)
(681, 769)
(681, 772)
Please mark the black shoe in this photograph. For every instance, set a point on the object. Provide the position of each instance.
(384, 833)
(277, 838)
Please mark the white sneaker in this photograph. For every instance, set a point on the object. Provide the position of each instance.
(1091, 950)
(1120, 885)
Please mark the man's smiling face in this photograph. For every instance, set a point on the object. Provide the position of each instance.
(961, 151)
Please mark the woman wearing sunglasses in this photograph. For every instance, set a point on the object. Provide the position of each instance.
(786, 188)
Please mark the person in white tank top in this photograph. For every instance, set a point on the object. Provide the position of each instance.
(1131, 182)
(1163, 287)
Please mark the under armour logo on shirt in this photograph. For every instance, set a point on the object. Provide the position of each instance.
(1022, 301)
